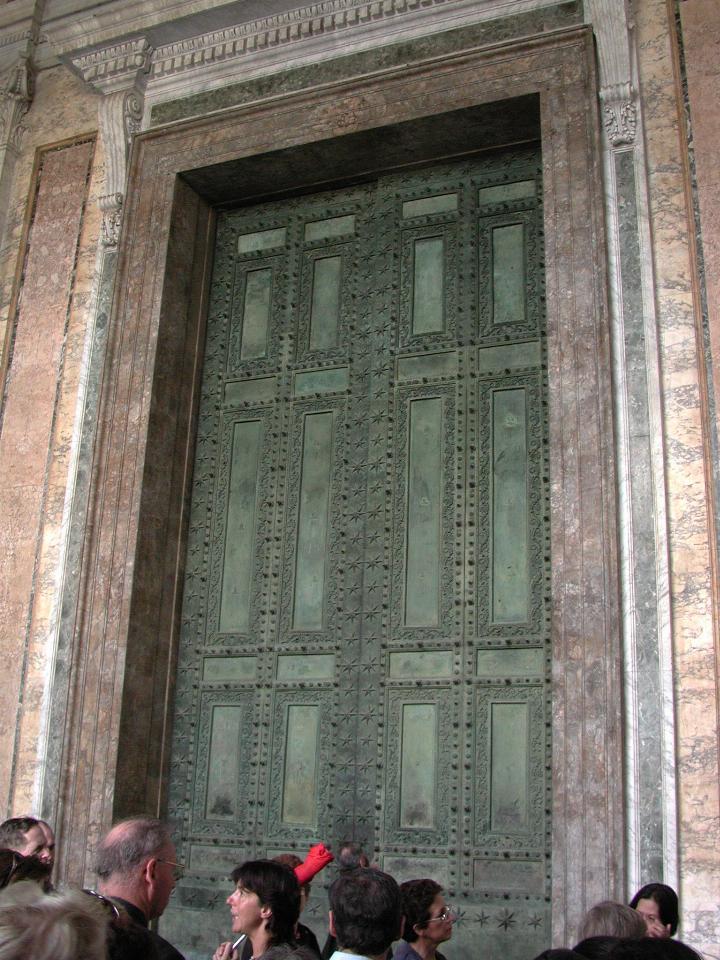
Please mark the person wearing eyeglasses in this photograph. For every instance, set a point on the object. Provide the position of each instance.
(137, 868)
(428, 921)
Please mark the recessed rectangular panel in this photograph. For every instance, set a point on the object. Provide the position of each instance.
(509, 732)
(509, 356)
(259, 390)
(425, 206)
(301, 755)
(240, 528)
(220, 669)
(418, 767)
(311, 666)
(508, 280)
(505, 192)
(525, 662)
(325, 309)
(410, 868)
(333, 380)
(423, 536)
(217, 858)
(430, 365)
(313, 520)
(224, 763)
(329, 229)
(512, 876)
(510, 548)
(428, 286)
(262, 240)
(429, 664)
(256, 314)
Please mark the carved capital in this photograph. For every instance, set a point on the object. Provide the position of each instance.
(619, 114)
(15, 97)
(112, 211)
(119, 115)
(118, 72)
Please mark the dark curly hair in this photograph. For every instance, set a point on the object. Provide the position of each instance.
(276, 887)
(417, 898)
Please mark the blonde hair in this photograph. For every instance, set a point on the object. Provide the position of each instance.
(55, 926)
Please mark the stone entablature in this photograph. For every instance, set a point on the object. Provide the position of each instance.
(213, 59)
(311, 34)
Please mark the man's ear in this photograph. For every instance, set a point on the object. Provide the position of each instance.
(331, 924)
(148, 871)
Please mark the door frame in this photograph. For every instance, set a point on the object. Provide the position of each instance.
(115, 755)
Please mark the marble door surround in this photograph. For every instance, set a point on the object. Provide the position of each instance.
(120, 696)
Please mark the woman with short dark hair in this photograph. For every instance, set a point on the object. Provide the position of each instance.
(264, 906)
(428, 921)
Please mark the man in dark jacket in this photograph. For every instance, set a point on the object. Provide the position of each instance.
(137, 868)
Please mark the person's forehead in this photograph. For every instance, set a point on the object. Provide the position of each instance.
(34, 837)
(648, 906)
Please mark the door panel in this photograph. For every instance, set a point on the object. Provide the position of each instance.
(365, 638)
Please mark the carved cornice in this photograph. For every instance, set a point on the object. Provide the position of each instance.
(314, 20)
(16, 39)
(115, 68)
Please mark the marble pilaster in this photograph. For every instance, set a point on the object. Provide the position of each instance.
(647, 649)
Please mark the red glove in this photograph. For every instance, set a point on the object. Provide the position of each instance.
(317, 858)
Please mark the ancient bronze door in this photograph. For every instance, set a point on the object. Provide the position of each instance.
(364, 649)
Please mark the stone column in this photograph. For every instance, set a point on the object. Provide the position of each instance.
(652, 852)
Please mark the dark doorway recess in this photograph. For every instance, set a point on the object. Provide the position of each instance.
(361, 157)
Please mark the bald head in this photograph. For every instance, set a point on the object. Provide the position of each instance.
(128, 844)
(135, 861)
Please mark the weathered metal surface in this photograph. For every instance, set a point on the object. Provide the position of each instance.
(376, 480)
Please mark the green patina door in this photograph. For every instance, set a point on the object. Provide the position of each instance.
(365, 635)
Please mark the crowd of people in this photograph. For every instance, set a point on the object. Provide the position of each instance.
(370, 914)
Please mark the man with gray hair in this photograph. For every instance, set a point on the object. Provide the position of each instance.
(137, 869)
(351, 856)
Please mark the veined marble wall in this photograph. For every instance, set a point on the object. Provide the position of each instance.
(48, 301)
(672, 807)
(667, 62)
(688, 430)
